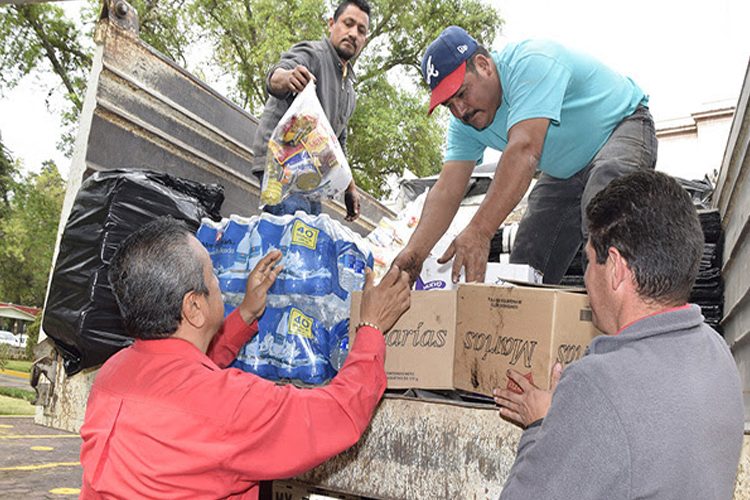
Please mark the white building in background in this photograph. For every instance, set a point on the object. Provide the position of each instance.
(692, 147)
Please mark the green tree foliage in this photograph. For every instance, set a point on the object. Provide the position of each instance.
(249, 36)
(399, 35)
(390, 137)
(163, 24)
(27, 235)
(7, 171)
(40, 38)
(390, 129)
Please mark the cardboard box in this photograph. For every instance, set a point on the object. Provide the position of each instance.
(467, 338)
(420, 346)
(436, 276)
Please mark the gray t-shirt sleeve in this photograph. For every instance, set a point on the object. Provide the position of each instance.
(580, 434)
(303, 53)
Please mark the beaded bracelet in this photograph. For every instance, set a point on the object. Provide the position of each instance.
(366, 323)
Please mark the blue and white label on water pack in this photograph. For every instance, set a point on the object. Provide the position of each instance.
(265, 236)
(209, 234)
(303, 333)
(309, 261)
(291, 344)
(226, 255)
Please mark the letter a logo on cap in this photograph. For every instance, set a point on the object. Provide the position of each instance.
(431, 71)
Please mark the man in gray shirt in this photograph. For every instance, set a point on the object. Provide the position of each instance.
(654, 409)
(328, 62)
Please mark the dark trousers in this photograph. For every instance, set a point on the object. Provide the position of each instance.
(553, 227)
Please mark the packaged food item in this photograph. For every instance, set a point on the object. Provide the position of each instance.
(304, 155)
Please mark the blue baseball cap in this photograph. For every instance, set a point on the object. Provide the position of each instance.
(444, 63)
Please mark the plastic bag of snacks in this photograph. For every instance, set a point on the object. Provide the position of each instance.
(304, 154)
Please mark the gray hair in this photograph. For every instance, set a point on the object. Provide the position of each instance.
(150, 273)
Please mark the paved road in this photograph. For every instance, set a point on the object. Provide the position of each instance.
(36, 461)
(14, 381)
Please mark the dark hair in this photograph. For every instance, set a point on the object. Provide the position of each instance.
(470, 64)
(360, 4)
(650, 219)
(150, 273)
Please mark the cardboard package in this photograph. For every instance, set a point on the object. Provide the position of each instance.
(467, 338)
(498, 273)
(436, 276)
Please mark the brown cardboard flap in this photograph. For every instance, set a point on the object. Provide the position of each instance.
(419, 347)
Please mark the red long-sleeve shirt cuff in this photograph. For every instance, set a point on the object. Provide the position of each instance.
(234, 334)
(369, 339)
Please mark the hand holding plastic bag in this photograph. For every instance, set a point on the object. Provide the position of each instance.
(304, 155)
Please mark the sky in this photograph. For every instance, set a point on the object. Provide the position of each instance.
(685, 54)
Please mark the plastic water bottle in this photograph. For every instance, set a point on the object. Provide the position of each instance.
(309, 257)
(255, 246)
(339, 353)
(351, 268)
(226, 251)
(242, 255)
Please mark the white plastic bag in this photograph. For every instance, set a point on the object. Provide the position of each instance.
(304, 155)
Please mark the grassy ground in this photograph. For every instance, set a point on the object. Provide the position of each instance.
(15, 406)
(14, 392)
(18, 365)
(13, 400)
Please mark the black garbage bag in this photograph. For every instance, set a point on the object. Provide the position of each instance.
(700, 191)
(711, 225)
(81, 316)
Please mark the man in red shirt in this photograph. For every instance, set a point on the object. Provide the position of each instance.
(165, 421)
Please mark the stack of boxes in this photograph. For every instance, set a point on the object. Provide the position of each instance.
(467, 336)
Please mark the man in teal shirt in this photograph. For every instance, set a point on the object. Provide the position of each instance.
(547, 108)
